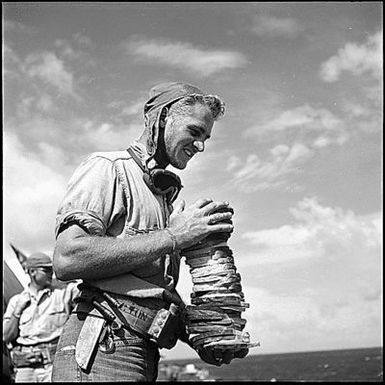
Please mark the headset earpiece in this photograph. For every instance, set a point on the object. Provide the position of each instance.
(159, 181)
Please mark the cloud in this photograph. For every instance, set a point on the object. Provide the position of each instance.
(12, 62)
(255, 174)
(47, 74)
(275, 320)
(47, 67)
(37, 115)
(317, 231)
(35, 179)
(317, 127)
(303, 117)
(82, 40)
(32, 192)
(356, 110)
(45, 103)
(104, 136)
(272, 26)
(128, 109)
(319, 273)
(11, 26)
(185, 56)
(356, 59)
(76, 51)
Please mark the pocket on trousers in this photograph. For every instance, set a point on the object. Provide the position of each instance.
(65, 367)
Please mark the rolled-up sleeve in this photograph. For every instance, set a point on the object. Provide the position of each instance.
(94, 197)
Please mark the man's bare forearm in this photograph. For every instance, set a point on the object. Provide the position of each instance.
(80, 256)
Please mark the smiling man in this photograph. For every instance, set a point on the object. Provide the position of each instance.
(117, 230)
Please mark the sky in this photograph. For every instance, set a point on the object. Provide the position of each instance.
(298, 153)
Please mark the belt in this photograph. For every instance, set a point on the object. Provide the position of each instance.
(32, 355)
(106, 313)
(40, 345)
(130, 314)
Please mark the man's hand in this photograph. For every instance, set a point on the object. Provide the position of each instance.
(22, 302)
(195, 222)
(218, 357)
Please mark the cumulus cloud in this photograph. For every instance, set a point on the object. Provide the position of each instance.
(47, 67)
(32, 192)
(317, 127)
(45, 103)
(274, 320)
(39, 119)
(12, 26)
(124, 109)
(303, 117)
(82, 40)
(320, 273)
(76, 51)
(272, 26)
(12, 63)
(103, 136)
(185, 56)
(317, 231)
(254, 174)
(356, 59)
(356, 110)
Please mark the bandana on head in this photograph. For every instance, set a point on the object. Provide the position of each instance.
(161, 96)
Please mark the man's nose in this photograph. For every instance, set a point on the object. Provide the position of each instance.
(199, 145)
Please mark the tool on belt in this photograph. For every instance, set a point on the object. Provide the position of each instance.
(107, 313)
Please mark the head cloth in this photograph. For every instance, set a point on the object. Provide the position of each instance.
(161, 96)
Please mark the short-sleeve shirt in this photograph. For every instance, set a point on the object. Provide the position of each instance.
(107, 196)
(43, 319)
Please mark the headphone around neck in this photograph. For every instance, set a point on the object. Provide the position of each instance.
(158, 180)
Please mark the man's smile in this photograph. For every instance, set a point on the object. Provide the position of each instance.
(188, 152)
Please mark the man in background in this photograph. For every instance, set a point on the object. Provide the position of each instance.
(34, 319)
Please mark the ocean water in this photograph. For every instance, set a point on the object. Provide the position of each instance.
(335, 365)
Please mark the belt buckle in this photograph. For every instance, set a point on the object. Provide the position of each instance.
(160, 329)
(158, 323)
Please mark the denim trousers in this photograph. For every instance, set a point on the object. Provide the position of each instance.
(133, 358)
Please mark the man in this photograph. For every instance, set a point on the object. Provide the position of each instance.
(34, 319)
(117, 231)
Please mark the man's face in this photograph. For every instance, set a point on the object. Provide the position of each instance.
(43, 276)
(184, 135)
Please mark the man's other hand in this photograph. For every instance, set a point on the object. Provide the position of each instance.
(218, 357)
